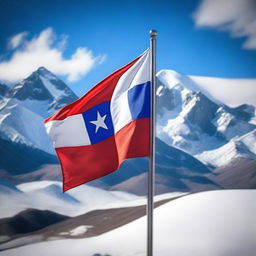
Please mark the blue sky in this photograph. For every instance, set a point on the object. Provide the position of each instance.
(105, 35)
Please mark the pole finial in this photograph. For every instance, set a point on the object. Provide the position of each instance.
(153, 33)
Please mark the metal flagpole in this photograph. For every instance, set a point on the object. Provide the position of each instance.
(151, 173)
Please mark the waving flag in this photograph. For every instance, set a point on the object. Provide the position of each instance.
(95, 134)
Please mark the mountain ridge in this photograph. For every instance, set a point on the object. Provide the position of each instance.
(201, 134)
(198, 124)
(22, 112)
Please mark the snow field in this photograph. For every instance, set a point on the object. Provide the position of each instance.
(210, 223)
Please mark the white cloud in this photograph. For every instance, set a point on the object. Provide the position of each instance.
(17, 40)
(46, 50)
(236, 16)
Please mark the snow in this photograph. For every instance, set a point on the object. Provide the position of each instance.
(222, 120)
(56, 93)
(4, 238)
(170, 79)
(210, 223)
(189, 139)
(40, 108)
(227, 124)
(187, 120)
(220, 156)
(20, 241)
(79, 230)
(249, 140)
(238, 139)
(47, 74)
(35, 185)
(48, 195)
(20, 124)
(244, 146)
(243, 91)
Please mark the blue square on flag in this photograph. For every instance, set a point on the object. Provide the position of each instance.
(98, 122)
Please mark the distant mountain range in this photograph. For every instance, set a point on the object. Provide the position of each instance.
(213, 133)
(196, 136)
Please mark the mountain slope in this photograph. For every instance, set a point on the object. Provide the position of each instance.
(201, 134)
(42, 92)
(28, 221)
(189, 120)
(48, 195)
(168, 183)
(22, 112)
(44, 225)
(239, 174)
(17, 158)
(4, 90)
(21, 125)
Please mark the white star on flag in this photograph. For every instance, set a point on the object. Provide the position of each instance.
(100, 122)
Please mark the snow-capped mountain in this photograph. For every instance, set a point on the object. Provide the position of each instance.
(207, 129)
(23, 108)
(42, 93)
(38, 96)
(199, 131)
(198, 127)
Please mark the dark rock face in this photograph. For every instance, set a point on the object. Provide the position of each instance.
(4, 90)
(28, 221)
(32, 88)
(244, 112)
(17, 158)
(42, 85)
(202, 113)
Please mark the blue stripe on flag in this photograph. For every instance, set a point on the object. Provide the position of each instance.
(139, 101)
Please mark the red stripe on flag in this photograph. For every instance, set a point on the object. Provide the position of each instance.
(82, 164)
(85, 163)
(133, 140)
(101, 92)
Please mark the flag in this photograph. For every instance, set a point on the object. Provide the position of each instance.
(93, 135)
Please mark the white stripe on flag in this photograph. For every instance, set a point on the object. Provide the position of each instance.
(68, 132)
(119, 107)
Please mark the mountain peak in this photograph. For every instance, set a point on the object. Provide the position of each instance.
(44, 91)
(42, 71)
(170, 78)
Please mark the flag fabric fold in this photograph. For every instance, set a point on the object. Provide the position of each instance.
(95, 134)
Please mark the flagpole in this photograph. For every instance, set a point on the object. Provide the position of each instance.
(151, 173)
